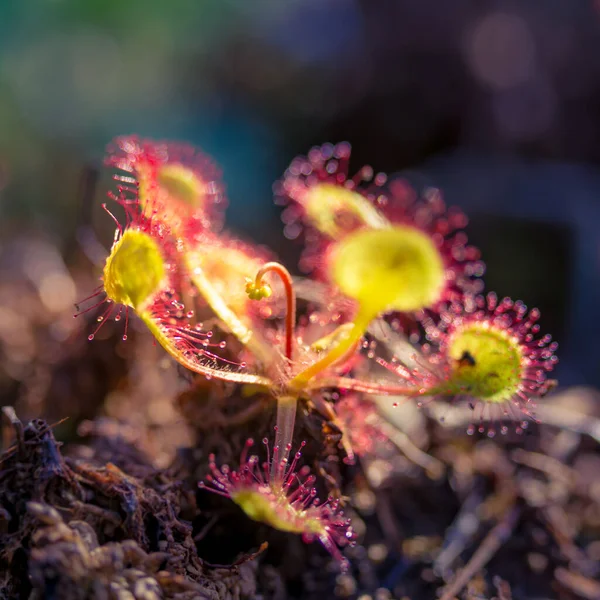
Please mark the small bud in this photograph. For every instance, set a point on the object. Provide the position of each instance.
(257, 292)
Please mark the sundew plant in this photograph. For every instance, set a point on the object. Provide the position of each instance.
(393, 304)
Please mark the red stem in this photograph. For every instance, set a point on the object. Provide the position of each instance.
(288, 284)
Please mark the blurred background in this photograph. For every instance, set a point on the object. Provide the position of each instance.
(497, 103)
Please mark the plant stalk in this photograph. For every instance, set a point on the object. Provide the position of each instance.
(284, 432)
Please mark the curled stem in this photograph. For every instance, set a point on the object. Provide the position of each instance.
(290, 296)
